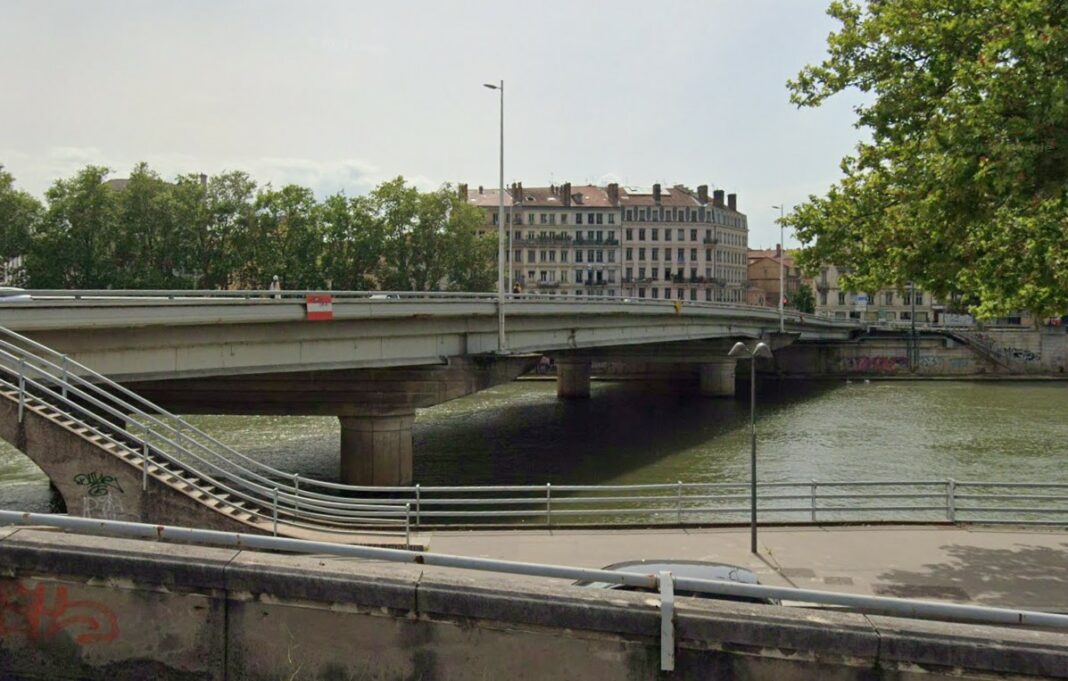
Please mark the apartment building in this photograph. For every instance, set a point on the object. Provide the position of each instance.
(763, 270)
(565, 240)
(677, 244)
(889, 305)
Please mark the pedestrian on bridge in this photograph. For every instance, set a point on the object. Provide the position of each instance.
(276, 285)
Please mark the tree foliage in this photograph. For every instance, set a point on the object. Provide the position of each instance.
(963, 186)
(803, 299)
(224, 232)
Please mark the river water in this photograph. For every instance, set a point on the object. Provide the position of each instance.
(520, 433)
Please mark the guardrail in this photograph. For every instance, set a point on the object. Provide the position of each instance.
(166, 444)
(397, 297)
(663, 583)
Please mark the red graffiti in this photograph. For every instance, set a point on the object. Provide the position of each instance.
(880, 365)
(43, 611)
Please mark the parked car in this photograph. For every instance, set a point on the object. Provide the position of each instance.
(10, 294)
(690, 569)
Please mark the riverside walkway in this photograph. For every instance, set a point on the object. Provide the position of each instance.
(979, 565)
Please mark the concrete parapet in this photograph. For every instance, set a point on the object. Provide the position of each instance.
(121, 609)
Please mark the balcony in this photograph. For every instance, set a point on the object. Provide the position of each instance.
(711, 241)
(594, 284)
(559, 239)
(548, 284)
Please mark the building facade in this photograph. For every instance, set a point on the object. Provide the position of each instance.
(764, 276)
(675, 244)
(887, 305)
(565, 240)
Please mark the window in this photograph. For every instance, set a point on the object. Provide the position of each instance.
(578, 218)
(823, 297)
(641, 215)
(682, 234)
(708, 294)
(667, 274)
(680, 294)
(578, 255)
(611, 235)
(630, 253)
(641, 273)
(655, 273)
(641, 293)
(600, 218)
(693, 255)
(693, 273)
(589, 218)
(611, 218)
(494, 218)
(629, 273)
(641, 234)
(530, 218)
(563, 256)
(629, 215)
(641, 254)
(600, 235)
(552, 218)
(541, 256)
(919, 301)
(600, 256)
(552, 256)
(841, 297)
(693, 294)
(519, 255)
(655, 233)
(655, 291)
(630, 234)
(656, 254)
(693, 235)
(563, 218)
(708, 254)
(889, 297)
(655, 214)
(612, 255)
(667, 293)
(667, 235)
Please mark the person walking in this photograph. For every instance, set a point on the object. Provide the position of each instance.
(276, 285)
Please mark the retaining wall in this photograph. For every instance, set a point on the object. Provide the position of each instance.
(100, 608)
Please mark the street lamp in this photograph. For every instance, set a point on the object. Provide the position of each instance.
(500, 230)
(782, 254)
(742, 351)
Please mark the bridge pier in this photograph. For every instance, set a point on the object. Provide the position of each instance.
(572, 378)
(377, 449)
(717, 378)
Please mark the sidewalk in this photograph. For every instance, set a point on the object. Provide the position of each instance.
(1008, 567)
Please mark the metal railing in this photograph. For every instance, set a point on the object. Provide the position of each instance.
(401, 297)
(168, 448)
(663, 583)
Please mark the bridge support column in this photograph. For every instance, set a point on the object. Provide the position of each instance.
(376, 449)
(572, 378)
(717, 378)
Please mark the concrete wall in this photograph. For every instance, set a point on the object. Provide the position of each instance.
(101, 608)
(97, 484)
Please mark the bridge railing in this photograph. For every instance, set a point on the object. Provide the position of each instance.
(386, 297)
(166, 444)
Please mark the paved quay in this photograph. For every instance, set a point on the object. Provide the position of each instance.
(1007, 567)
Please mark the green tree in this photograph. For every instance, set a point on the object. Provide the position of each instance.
(354, 241)
(963, 186)
(284, 240)
(803, 300)
(19, 217)
(147, 239)
(74, 245)
(213, 220)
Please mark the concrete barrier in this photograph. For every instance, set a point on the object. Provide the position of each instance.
(78, 607)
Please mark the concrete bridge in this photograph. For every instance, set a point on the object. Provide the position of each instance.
(377, 357)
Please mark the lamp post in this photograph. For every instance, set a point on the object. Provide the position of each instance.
(742, 351)
(782, 254)
(501, 347)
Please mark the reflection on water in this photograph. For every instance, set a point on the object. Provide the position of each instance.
(520, 433)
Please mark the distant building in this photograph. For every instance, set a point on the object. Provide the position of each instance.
(764, 276)
(889, 305)
(622, 241)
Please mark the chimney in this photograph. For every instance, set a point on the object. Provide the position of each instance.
(732, 201)
(613, 193)
(203, 180)
(479, 189)
(656, 193)
(778, 250)
(717, 198)
(522, 198)
(702, 193)
(565, 193)
(462, 192)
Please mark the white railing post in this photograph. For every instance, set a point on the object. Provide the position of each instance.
(66, 379)
(812, 491)
(296, 494)
(667, 621)
(951, 500)
(678, 502)
(548, 504)
(417, 500)
(275, 511)
(144, 462)
(407, 526)
(22, 388)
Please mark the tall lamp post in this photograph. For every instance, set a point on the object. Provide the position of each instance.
(782, 255)
(742, 351)
(501, 347)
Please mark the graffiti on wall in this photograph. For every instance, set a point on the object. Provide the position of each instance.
(1023, 355)
(44, 611)
(874, 365)
(99, 484)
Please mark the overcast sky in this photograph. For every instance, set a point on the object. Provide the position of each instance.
(341, 95)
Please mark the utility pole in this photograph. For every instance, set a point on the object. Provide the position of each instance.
(501, 344)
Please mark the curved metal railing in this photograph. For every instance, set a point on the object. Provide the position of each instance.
(167, 445)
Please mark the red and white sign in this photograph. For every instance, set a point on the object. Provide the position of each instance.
(320, 307)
